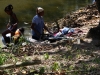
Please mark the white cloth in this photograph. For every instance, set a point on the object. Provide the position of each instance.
(7, 35)
(64, 31)
(58, 34)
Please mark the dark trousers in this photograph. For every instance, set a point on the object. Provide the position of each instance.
(7, 39)
(36, 38)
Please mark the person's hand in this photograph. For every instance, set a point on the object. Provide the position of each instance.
(51, 33)
(14, 24)
(8, 25)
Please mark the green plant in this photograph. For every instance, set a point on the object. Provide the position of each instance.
(42, 70)
(46, 56)
(70, 57)
(2, 59)
(22, 39)
(55, 66)
(71, 67)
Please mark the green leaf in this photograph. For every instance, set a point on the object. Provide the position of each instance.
(46, 56)
(42, 70)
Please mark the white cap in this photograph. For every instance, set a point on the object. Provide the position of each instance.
(39, 9)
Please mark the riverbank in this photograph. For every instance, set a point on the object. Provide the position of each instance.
(62, 57)
(84, 17)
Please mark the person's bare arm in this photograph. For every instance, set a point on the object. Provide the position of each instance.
(8, 25)
(45, 27)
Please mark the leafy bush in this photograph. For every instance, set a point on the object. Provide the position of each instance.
(2, 59)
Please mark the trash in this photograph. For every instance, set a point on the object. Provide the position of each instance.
(24, 43)
(78, 41)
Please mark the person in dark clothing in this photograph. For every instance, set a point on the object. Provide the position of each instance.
(13, 21)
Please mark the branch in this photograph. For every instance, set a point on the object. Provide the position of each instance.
(19, 64)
